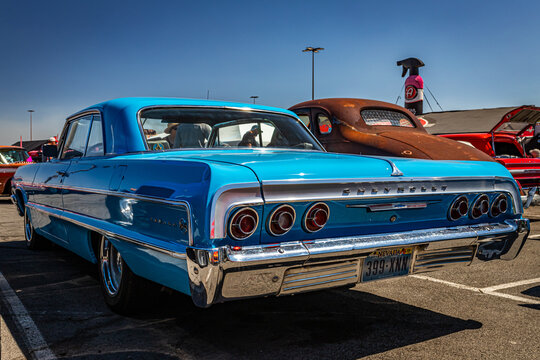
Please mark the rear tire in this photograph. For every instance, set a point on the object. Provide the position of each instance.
(121, 288)
(32, 239)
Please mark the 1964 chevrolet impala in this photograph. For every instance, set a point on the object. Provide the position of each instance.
(225, 201)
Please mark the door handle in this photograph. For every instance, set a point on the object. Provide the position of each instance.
(62, 173)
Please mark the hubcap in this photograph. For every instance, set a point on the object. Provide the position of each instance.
(28, 229)
(111, 267)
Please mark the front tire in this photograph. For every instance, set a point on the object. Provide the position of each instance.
(121, 288)
(32, 239)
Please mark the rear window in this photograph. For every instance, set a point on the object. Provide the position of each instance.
(177, 128)
(386, 118)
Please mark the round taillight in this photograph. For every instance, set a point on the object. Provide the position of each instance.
(281, 220)
(243, 223)
(499, 205)
(316, 217)
(480, 206)
(459, 208)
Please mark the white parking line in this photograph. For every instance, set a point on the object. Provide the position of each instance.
(534, 236)
(509, 285)
(33, 338)
(489, 290)
(459, 286)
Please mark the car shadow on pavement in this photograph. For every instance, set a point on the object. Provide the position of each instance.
(61, 293)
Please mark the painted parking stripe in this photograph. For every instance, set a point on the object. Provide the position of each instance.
(33, 338)
(459, 286)
(510, 285)
(488, 290)
(534, 236)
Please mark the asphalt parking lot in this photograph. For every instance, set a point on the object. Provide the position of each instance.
(51, 307)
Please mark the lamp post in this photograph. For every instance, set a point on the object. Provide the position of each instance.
(313, 50)
(254, 97)
(30, 111)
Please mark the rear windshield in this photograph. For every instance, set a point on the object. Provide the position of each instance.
(177, 128)
(11, 156)
(386, 118)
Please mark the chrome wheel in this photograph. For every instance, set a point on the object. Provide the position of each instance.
(28, 229)
(111, 265)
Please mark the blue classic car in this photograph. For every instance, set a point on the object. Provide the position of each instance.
(224, 201)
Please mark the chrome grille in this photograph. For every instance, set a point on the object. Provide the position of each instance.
(433, 260)
(317, 277)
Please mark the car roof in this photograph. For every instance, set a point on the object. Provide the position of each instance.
(348, 110)
(136, 103)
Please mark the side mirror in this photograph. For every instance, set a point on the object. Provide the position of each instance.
(50, 151)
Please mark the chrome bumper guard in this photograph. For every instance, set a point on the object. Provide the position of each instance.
(223, 274)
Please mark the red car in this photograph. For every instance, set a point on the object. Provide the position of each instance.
(509, 139)
(11, 157)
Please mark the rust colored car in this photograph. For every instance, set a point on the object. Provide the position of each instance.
(506, 134)
(11, 158)
(369, 127)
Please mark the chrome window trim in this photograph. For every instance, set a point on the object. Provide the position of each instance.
(61, 141)
(246, 108)
(44, 209)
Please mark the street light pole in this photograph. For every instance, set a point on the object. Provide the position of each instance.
(313, 50)
(254, 97)
(30, 111)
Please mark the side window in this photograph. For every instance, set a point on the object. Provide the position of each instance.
(305, 119)
(324, 124)
(75, 142)
(95, 141)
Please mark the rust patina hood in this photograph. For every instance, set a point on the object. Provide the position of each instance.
(390, 140)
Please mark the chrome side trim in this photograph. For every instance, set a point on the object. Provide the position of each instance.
(295, 190)
(131, 196)
(50, 211)
(392, 206)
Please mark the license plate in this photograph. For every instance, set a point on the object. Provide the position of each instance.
(382, 264)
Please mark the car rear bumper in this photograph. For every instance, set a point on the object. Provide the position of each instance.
(229, 273)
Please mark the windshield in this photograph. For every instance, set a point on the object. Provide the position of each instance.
(177, 128)
(11, 156)
(514, 127)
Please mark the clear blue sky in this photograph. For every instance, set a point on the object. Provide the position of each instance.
(60, 56)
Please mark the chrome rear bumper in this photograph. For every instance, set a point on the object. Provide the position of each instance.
(223, 274)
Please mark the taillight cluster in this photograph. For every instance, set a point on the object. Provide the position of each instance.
(316, 217)
(499, 206)
(480, 206)
(281, 220)
(243, 223)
